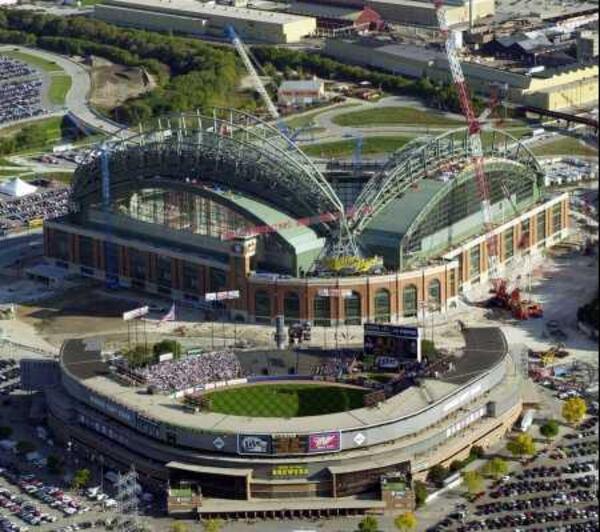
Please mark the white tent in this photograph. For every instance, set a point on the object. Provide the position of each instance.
(16, 188)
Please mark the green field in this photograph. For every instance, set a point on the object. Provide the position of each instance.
(345, 148)
(59, 87)
(394, 116)
(285, 400)
(307, 119)
(564, 146)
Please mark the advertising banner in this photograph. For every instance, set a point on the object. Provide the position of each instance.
(135, 313)
(382, 339)
(324, 441)
(254, 444)
(222, 296)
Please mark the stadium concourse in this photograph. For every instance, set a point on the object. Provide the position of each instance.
(340, 460)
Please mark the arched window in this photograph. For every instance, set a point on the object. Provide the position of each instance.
(262, 307)
(409, 301)
(352, 309)
(434, 294)
(382, 306)
(291, 307)
(322, 311)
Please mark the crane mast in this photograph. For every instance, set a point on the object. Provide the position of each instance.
(256, 81)
(474, 130)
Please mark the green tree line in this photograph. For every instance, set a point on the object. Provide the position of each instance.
(191, 74)
(440, 95)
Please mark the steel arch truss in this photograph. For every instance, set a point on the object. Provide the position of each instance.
(425, 158)
(229, 149)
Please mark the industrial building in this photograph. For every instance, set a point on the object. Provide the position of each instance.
(206, 19)
(573, 85)
(301, 92)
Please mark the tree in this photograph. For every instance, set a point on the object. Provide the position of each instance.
(179, 527)
(549, 429)
(368, 524)
(477, 451)
(54, 464)
(437, 474)
(406, 521)
(574, 410)
(473, 481)
(138, 356)
(212, 525)
(167, 346)
(521, 444)
(81, 478)
(5, 432)
(420, 493)
(24, 447)
(496, 467)
(455, 466)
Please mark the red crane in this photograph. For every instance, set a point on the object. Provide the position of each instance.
(474, 131)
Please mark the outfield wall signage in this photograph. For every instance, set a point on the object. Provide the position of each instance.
(254, 444)
(324, 442)
(222, 296)
(383, 339)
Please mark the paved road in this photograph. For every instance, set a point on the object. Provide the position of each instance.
(77, 99)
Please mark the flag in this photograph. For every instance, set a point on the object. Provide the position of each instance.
(169, 316)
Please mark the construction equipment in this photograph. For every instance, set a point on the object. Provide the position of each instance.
(511, 300)
(474, 130)
(256, 81)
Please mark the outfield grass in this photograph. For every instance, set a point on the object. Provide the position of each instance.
(345, 148)
(564, 146)
(285, 400)
(394, 116)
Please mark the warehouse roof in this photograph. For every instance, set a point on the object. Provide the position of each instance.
(206, 10)
(301, 85)
(325, 11)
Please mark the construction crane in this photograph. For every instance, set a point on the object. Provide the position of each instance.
(474, 132)
(256, 81)
(112, 280)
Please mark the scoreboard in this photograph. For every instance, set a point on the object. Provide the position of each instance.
(289, 444)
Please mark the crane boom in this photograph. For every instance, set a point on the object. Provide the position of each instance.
(256, 81)
(474, 129)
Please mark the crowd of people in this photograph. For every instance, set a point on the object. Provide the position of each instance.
(44, 204)
(175, 375)
(20, 91)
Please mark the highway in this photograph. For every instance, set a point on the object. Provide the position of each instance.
(77, 99)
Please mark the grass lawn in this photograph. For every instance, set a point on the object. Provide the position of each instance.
(6, 162)
(59, 87)
(564, 146)
(34, 61)
(51, 126)
(394, 116)
(306, 119)
(345, 148)
(10, 173)
(285, 400)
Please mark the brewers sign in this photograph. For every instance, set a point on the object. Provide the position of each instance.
(384, 340)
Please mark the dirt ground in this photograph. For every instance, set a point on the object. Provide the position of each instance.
(112, 84)
(561, 282)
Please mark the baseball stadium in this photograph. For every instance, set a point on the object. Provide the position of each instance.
(195, 205)
(279, 433)
(201, 204)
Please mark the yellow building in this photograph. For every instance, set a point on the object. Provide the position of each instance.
(198, 18)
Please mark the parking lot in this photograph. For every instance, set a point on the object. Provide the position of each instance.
(21, 91)
(556, 490)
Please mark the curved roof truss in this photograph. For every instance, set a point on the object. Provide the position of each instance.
(420, 159)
